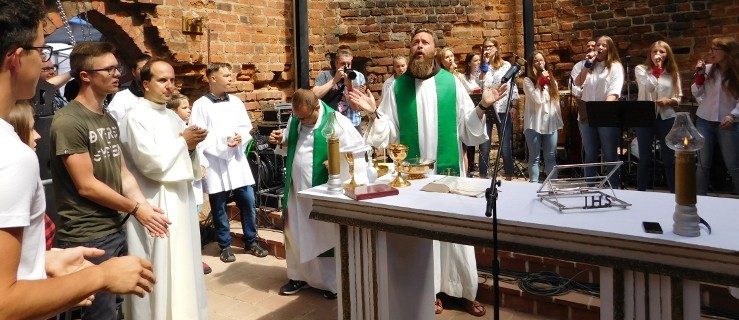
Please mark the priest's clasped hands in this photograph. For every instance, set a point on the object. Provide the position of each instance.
(194, 135)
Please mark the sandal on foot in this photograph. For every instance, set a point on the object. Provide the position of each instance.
(438, 308)
(475, 308)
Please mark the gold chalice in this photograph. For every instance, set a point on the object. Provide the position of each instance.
(398, 152)
(350, 159)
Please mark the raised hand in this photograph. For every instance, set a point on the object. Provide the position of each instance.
(194, 135)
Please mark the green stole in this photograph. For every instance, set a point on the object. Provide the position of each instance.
(447, 153)
(320, 154)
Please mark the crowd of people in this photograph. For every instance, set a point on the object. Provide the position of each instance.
(129, 176)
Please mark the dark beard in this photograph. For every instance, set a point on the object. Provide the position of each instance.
(421, 67)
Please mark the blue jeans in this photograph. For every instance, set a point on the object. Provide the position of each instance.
(534, 142)
(645, 136)
(104, 306)
(244, 197)
(728, 141)
(505, 147)
(595, 138)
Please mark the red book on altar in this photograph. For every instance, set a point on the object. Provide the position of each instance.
(369, 192)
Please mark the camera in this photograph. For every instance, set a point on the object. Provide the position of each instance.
(351, 74)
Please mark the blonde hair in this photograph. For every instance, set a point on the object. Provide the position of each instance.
(669, 63)
(497, 59)
(612, 52)
(20, 118)
(440, 57)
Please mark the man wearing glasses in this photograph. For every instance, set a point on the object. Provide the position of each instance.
(49, 74)
(91, 182)
(126, 99)
(25, 290)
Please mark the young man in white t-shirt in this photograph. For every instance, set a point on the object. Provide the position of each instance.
(22, 199)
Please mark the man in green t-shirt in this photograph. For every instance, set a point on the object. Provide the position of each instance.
(91, 183)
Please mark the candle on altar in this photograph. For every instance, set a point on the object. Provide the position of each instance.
(685, 139)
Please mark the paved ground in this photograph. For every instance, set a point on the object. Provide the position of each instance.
(248, 289)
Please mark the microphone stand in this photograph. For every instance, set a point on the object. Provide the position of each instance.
(491, 197)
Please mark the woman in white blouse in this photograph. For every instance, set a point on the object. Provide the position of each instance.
(601, 79)
(471, 77)
(716, 88)
(659, 81)
(542, 117)
(494, 68)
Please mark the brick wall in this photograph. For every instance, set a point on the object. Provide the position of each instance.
(255, 36)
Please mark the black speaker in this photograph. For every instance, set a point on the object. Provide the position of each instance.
(43, 153)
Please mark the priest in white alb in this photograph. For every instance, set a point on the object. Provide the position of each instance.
(309, 243)
(429, 110)
(161, 151)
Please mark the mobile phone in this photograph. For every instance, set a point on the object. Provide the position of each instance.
(652, 227)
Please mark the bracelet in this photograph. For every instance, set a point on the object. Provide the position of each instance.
(479, 105)
(135, 209)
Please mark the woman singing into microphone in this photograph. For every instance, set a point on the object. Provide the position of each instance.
(659, 81)
(716, 88)
(542, 117)
(493, 68)
(601, 79)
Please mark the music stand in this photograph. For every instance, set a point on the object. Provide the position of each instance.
(620, 114)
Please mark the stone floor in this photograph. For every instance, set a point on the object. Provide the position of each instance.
(247, 289)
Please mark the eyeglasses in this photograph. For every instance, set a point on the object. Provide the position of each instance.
(713, 49)
(48, 69)
(110, 69)
(45, 51)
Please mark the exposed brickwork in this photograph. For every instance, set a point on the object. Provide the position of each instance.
(256, 37)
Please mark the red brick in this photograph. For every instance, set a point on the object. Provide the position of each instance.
(551, 310)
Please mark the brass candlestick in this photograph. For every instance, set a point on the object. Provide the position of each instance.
(332, 131)
(398, 152)
(350, 159)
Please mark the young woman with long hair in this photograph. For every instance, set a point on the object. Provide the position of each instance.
(542, 117)
(659, 81)
(716, 89)
(602, 79)
(493, 68)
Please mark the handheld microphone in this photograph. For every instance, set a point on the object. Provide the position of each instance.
(511, 73)
(519, 58)
(697, 71)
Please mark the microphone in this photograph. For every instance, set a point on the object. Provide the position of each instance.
(519, 58)
(697, 71)
(511, 73)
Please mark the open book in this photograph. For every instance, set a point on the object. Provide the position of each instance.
(456, 185)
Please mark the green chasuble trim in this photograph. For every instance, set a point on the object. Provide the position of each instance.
(320, 154)
(447, 153)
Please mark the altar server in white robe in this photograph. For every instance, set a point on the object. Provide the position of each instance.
(161, 149)
(128, 98)
(429, 111)
(309, 243)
